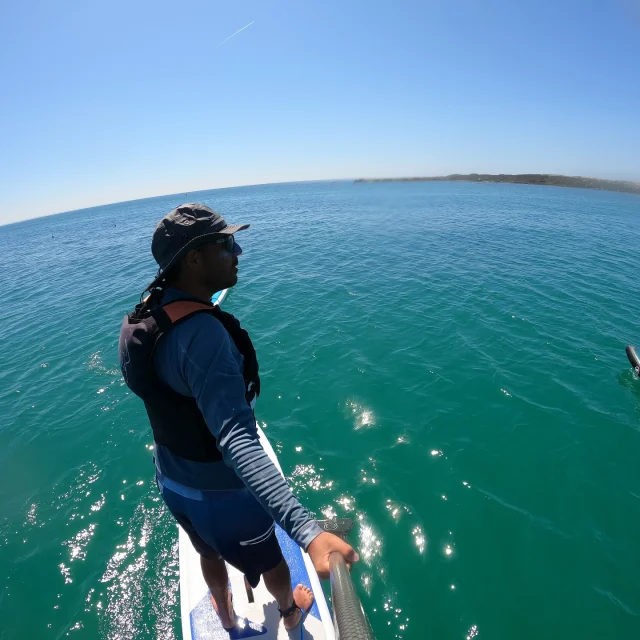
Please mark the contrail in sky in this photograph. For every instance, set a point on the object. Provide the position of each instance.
(246, 26)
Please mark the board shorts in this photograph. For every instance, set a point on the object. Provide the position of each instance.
(231, 525)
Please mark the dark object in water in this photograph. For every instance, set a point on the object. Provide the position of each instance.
(633, 358)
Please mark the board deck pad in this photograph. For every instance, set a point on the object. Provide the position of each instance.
(199, 619)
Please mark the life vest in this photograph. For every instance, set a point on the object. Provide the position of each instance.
(176, 420)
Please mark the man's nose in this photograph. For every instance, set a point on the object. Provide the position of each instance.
(237, 249)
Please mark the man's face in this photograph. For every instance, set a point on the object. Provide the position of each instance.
(218, 266)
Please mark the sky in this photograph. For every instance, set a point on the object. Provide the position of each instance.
(108, 101)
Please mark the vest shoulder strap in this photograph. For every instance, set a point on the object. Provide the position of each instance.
(179, 310)
(171, 314)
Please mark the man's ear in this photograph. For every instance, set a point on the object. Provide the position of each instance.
(192, 259)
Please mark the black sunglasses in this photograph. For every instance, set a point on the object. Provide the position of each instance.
(229, 242)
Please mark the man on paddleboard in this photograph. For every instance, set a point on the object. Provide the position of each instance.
(196, 370)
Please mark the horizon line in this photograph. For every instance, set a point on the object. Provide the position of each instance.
(264, 184)
(165, 195)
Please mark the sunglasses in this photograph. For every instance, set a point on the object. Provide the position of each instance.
(229, 242)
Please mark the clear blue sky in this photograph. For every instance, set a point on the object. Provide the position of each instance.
(108, 101)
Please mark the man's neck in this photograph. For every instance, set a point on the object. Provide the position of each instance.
(196, 291)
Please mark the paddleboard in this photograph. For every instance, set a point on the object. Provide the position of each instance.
(199, 619)
(219, 296)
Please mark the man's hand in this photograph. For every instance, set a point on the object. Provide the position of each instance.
(323, 546)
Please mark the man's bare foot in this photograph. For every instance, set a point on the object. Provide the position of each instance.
(303, 597)
(226, 613)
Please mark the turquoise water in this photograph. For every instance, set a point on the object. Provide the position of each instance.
(444, 362)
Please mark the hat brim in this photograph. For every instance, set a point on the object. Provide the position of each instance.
(230, 229)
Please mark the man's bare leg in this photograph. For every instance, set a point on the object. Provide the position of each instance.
(278, 582)
(217, 579)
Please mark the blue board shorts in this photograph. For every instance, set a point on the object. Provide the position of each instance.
(231, 525)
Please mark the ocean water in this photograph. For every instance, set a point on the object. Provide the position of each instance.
(443, 362)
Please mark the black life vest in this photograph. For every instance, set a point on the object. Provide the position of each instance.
(176, 420)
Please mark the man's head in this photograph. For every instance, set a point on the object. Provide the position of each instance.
(193, 245)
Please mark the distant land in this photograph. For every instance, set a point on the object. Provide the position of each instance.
(526, 178)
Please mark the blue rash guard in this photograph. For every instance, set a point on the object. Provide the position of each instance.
(198, 359)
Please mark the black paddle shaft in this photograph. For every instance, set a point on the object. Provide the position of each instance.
(348, 616)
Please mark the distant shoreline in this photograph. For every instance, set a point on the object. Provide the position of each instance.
(547, 179)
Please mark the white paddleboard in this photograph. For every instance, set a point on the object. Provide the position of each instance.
(219, 296)
(199, 619)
